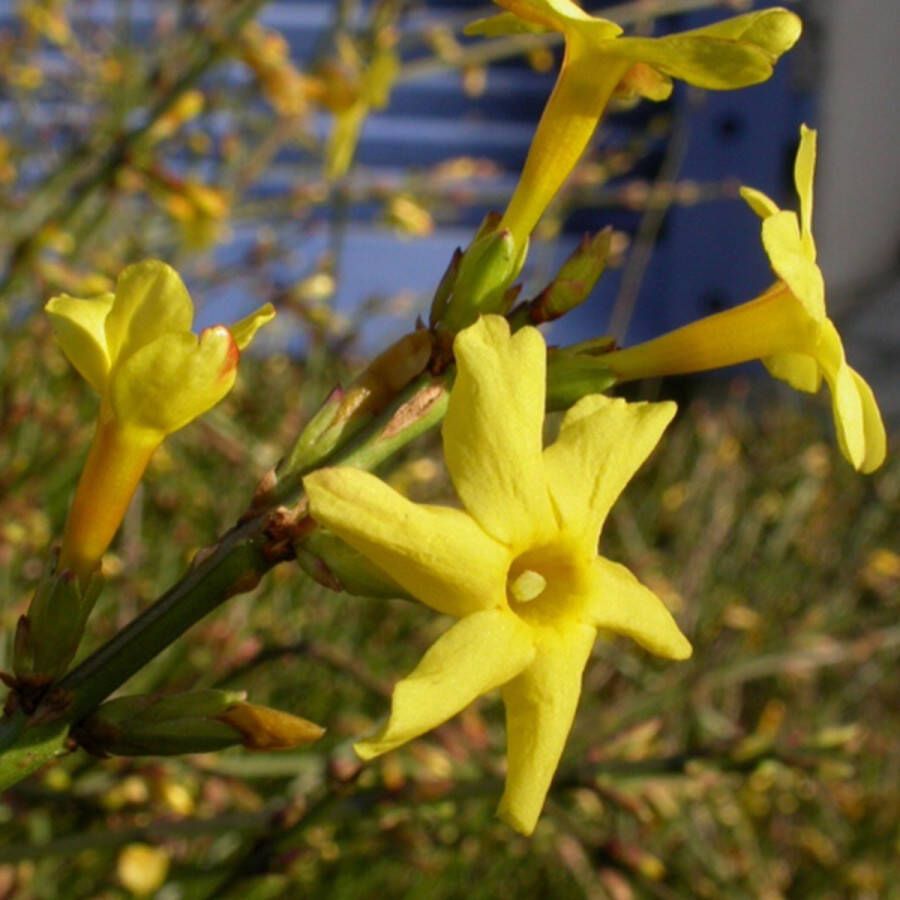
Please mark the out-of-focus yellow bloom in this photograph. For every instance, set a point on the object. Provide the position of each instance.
(186, 107)
(599, 63)
(268, 54)
(369, 90)
(787, 327)
(142, 869)
(49, 18)
(200, 210)
(136, 349)
(519, 567)
(7, 163)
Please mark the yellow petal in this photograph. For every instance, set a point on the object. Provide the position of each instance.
(79, 326)
(438, 554)
(781, 238)
(846, 404)
(151, 300)
(873, 426)
(774, 31)
(703, 61)
(540, 707)
(804, 172)
(553, 15)
(244, 330)
(479, 653)
(799, 370)
(502, 25)
(602, 443)
(849, 422)
(493, 431)
(622, 605)
(761, 204)
(734, 53)
(175, 378)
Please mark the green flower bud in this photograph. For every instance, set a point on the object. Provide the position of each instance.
(478, 282)
(574, 281)
(193, 722)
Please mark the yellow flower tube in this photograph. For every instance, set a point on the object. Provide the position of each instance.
(786, 327)
(599, 62)
(153, 375)
(518, 565)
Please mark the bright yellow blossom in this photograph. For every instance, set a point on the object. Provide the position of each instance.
(136, 349)
(519, 567)
(786, 327)
(599, 63)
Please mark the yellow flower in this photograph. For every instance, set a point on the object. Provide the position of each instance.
(599, 63)
(136, 349)
(519, 567)
(786, 327)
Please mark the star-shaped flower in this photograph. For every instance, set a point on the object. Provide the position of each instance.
(599, 63)
(136, 349)
(518, 566)
(786, 327)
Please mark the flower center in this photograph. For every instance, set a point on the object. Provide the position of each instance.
(546, 585)
(527, 586)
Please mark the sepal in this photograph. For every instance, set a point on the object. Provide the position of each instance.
(482, 280)
(574, 372)
(48, 637)
(336, 565)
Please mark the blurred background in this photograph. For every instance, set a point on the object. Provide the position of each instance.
(328, 157)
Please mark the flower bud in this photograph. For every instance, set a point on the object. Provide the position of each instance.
(345, 411)
(574, 281)
(478, 281)
(194, 722)
(262, 728)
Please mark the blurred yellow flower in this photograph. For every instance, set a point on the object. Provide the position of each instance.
(786, 327)
(153, 375)
(599, 63)
(142, 869)
(519, 567)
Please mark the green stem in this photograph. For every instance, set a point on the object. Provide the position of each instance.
(236, 564)
(421, 407)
